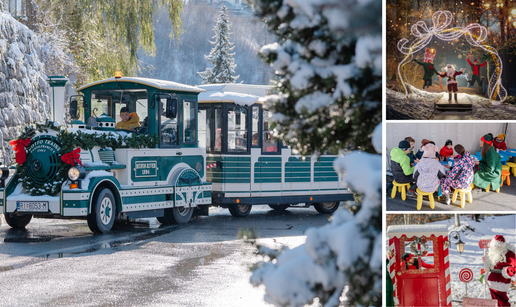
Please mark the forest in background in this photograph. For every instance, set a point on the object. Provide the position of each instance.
(180, 60)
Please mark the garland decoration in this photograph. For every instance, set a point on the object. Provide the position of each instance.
(71, 142)
(413, 246)
(19, 148)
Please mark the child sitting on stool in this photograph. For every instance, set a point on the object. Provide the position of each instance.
(446, 151)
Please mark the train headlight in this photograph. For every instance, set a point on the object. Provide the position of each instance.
(74, 173)
(198, 166)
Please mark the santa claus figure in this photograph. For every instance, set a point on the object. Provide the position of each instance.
(500, 266)
(452, 74)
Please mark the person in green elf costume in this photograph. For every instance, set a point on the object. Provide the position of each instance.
(429, 68)
(490, 167)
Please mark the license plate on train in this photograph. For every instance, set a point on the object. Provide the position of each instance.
(32, 206)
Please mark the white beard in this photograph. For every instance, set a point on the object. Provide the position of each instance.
(450, 72)
(496, 255)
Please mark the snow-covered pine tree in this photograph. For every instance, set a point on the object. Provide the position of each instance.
(220, 55)
(329, 61)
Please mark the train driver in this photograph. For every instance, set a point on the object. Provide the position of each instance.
(129, 120)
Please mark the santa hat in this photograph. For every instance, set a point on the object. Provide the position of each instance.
(407, 256)
(487, 139)
(497, 242)
(429, 150)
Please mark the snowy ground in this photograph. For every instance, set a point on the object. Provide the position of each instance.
(421, 106)
(472, 256)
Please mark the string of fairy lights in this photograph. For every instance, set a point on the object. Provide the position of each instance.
(440, 22)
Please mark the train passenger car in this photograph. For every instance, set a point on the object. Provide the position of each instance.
(101, 173)
(247, 166)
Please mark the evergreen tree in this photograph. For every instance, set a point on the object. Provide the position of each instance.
(328, 59)
(220, 56)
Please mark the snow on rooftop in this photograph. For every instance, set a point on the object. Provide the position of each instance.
(251, 89)
(238, 98)
(160, 84)
(416, 230)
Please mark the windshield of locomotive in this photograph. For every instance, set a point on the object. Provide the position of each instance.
(129, 108)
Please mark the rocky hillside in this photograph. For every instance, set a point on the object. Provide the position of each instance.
(24, 91)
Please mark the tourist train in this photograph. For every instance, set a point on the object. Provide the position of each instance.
(193, 147)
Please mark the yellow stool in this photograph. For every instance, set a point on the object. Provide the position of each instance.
(401, 188)
(512, 165)
(506, 174)
(420, 195)
(506, 168)
(487, 189)
(462, 193)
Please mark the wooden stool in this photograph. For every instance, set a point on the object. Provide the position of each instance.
(420, 195)
(506, 174)
(462, 193)
(512, 165)
(487, 189)
(401, 188)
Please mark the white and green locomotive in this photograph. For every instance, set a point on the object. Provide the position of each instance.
(189, 140)
(157, 170)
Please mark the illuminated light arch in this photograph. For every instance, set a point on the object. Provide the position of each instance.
(423, 36)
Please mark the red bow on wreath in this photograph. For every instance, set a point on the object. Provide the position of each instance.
(72, 157)
(19, 148)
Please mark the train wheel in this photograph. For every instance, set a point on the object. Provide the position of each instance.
(326, 207)
(178, 215)
(102, 218)
(239, 210)
(18, 221)
(279, 208)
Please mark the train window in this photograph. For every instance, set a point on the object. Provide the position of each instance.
(189, 129)
(218, 130)
(255, 127)
(269, 143)
(205, 129)
(111, 103)
(168, 135)
(237, 129)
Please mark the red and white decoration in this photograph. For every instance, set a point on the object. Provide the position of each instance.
(427, 287)
(466, 275)
(211, 165)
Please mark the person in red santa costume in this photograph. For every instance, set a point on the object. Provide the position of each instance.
(500, 266)
(411, 263)
(452, 74)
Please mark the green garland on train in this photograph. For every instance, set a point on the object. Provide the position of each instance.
(69, 141)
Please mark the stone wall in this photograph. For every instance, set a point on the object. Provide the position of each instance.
(24, 91)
